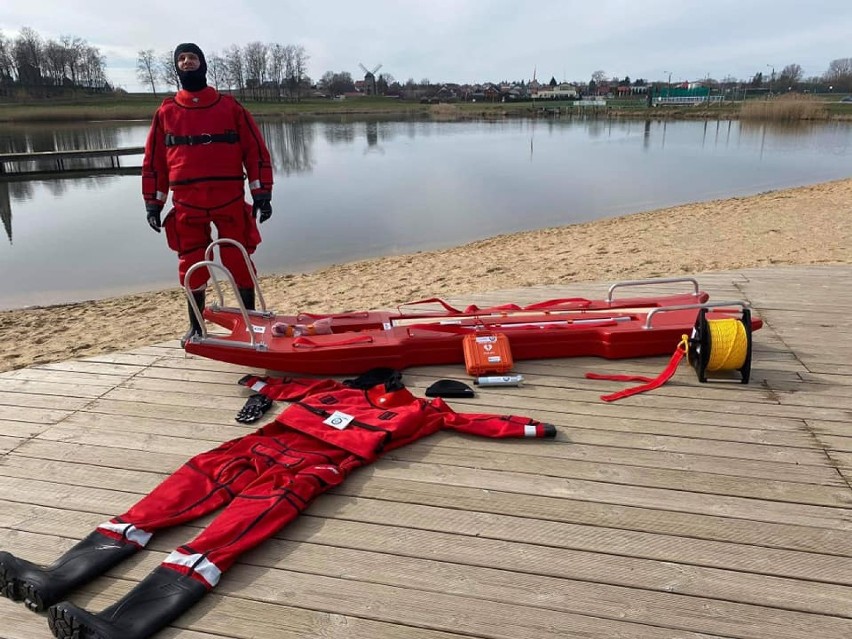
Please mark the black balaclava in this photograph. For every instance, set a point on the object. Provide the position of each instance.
(191, 80)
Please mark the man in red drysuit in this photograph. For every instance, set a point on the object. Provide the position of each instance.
(264, 480)
(202, 145)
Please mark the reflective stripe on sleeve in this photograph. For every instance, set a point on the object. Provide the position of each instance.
(254, 185)
(258, 386)
(161, 196)
(198, 563)
(529, 431)
(129, 532)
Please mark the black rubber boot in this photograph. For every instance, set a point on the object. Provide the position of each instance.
(39, 587)
(247, 296)
(153, 604)
(194, 325)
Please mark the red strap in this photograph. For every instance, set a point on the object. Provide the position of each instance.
(502, 308)
(317, 316)
(431, 300)
(309, 343)
(650, 384)
(620, 378)
(473, 309)
(452, 329)
(578, 302)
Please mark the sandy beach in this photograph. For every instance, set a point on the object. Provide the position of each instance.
(807, 225)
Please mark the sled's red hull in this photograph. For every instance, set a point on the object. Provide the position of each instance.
(398, 339)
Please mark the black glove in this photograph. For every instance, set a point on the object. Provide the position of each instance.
(153, 209)
(262, 203)
(255, 407)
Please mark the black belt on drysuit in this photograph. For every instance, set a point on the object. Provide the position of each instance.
(229, 137)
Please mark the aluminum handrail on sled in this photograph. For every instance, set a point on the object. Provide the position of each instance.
(686, 307)
(208, 256)
(203, 338)
(663, 280)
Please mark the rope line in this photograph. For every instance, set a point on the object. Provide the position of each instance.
(728, 345)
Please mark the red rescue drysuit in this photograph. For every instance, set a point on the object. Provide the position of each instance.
(269, 477)
(202, 145)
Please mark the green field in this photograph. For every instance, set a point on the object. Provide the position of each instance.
(142, 107)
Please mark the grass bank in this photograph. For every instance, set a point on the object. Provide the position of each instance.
(785, 108)
(142, 107)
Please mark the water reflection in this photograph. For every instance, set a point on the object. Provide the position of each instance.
(59, 138)
(351, 189)
(290, 145)
(339, 133)
(6, 209)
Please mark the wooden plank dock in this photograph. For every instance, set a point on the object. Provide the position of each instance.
(50, 163)
(696, 511)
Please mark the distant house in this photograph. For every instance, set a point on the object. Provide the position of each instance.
(562, 91)
(445, 94)
(491, 91)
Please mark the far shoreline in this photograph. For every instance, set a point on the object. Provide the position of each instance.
(142, 106)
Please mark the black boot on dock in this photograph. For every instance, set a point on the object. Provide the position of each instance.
(156, 601)
(194, 325)
(42, 586)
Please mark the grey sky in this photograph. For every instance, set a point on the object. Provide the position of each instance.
(469, 40)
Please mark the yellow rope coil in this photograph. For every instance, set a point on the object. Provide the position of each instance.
(729, 344)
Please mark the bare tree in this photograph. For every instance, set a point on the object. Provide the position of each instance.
(27, 55)
(56, 59)
(599, 76)
(216, 71)
(383, 83)
(277, 67)
(235, 71)
(166, 71)
(790, 76)
(7, 65)
(76, 48)
(337, 83)
(254, 56)
(146, 69)
(839, 73)
(298, 77)
(94, 65)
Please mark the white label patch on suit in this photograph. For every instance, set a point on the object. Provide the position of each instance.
(338, 420)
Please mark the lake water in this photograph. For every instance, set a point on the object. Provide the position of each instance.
(359, 189)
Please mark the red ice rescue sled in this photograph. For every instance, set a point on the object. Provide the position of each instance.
(431, 331)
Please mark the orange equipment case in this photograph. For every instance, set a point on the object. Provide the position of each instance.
(486, 353)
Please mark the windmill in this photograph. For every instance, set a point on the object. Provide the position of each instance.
(370, 78)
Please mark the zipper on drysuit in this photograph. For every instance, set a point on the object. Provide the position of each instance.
(321, 412)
